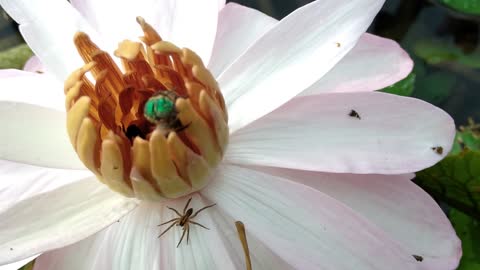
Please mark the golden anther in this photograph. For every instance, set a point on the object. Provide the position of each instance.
(243, 239)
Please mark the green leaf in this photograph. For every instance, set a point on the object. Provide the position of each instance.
(435, 87)
(455, 180)
(465, 6)
(468, 229)
(15, 57)
(402, 88)
(28, 266)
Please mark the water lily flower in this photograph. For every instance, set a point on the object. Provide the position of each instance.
(314, 162)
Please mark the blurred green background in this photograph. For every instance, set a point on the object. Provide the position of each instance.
(442, 38)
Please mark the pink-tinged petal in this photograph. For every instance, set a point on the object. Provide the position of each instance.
(133, 243)
(34, 64)
(22, 181)
(238, 28)
(368, 132)
(221, 4)
(36, 135)
(48, 28)
(31, 88)
(374, 63)
(293, 55)
(58, 218)
(303, 226)
(17, 265)
(395, 204)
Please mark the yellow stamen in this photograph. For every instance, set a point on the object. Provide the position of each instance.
(131, 154)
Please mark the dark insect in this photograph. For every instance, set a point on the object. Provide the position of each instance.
(418, 258)
(438, 150)
(184, 220)
(160, 110)
(354, 113)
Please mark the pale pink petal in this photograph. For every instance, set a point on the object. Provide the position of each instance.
(48, 28)
(238, 28)
(303, 226)
(36, 135)
(188, 23)
(396, 205)
(17, 265)
(34, 64)
(391, 135)
(22, 181)
(297, 52)
(31, 88)
(221, 4)
(58, 218)
(374, 63)
(133, 243)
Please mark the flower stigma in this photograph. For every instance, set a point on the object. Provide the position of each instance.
(153, 129)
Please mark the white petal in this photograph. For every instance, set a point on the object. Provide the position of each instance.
(374, 63)
(303, 226)
(116, 19)
(58, 218)
(194, 26)
(238, 28)
(17, 265)
(32, 88)
(133, 243)
(22, 181)
(48, 28)
(395, 204)
(391, 135)
(36, 135)
(297, 52)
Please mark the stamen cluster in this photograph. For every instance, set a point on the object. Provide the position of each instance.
(136, 148)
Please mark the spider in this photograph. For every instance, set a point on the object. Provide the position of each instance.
(184, 220)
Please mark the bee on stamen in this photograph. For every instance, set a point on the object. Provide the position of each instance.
(184, 220)
(160, 110)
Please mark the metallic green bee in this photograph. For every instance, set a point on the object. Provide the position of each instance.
(160, 110)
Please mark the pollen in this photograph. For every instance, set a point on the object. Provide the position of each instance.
(153, 127)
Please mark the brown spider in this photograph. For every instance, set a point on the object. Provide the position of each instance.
(184, 220)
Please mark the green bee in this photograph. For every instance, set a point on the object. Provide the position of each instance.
(160, 110)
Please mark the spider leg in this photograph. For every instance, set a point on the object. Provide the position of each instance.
(166, 222)
(183, 127)
(174, 210)
(186, 206)
(201, 209)
(185, 229)
(198, 224)
(166, 230)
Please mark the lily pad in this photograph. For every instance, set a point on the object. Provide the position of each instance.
(438, 52)
(435, 87)
(402, 88)
(456, 179)
(464, 6)
(15, 57)
(468, 229)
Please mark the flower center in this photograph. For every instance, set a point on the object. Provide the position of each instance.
(152, 131)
